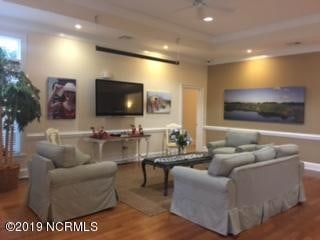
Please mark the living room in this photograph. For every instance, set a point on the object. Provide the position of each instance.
(166, 57)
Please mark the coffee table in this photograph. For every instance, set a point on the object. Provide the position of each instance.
(168, 162)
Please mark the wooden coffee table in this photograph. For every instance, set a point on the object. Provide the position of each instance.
(168, 162)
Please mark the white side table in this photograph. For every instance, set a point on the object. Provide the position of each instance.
(136, 138)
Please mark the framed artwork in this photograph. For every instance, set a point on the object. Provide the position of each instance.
(281, 105)
(61, 98)
(158, 102)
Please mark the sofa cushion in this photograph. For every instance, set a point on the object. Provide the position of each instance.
(259, 146)
(62, 156)
(222, 164)
(286, 150)
(265, 154)
(224, 150)
(237, 138)
(246, 148)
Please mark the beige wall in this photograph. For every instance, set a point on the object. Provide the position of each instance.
(52, 56)
(297, 70)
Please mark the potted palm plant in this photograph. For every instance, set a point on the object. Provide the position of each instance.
(19, 103)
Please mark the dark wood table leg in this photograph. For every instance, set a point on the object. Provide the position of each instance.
(143, 165)
(166, 174)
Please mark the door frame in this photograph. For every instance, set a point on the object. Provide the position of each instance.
(200, 112)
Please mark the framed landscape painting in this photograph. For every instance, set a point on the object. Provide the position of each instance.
(158, 102)
(281, 105)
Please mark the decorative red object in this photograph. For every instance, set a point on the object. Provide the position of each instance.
(133, 129)
(99, 135)
(140, 130)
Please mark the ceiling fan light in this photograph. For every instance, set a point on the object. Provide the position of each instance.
(78, 26)
(207, 19)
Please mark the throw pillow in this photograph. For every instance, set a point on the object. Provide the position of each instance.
(259, 146)
(246, 148)
(82, 158)
(224, 150)
(286, 150)
(265, 154)
(62, 156)
(222, 164)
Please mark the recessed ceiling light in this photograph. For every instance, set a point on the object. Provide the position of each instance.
(165, 47)
(249, 50)
(78, 26)
(208, 19)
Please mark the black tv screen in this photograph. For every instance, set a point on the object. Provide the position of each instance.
(118, 98)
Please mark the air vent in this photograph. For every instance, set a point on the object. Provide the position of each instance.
(297, 43)
(125, 37)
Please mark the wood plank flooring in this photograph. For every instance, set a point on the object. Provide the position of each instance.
(125, 223)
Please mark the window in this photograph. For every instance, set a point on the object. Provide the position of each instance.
(12, 46)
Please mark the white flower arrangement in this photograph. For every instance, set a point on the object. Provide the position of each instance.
(181, 137)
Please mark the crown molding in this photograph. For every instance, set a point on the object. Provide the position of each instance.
(267, 29)
(269, 54)
(294, 135)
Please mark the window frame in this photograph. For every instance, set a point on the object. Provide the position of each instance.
(23, 39)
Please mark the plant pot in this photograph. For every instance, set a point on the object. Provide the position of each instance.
(9, 177)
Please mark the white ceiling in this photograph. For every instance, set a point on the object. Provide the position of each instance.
(266, 26)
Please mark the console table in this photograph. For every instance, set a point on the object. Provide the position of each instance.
(121, 139)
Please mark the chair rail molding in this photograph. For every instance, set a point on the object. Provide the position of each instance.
(296, 135)
(88, 133)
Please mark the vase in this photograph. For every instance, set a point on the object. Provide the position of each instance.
(181, 150)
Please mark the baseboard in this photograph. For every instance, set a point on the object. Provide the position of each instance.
(312, 166)
(204, 148)
(23, 173)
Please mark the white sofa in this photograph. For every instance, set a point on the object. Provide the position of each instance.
(64, 184)
(240, 190)
(235, 141)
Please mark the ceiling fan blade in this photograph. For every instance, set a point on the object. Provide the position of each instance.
(218, 7)
(182, 9)
(200, 12)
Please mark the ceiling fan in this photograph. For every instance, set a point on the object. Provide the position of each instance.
(201, 5)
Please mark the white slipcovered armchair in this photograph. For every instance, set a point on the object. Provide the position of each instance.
(64, 184)
(239, 190)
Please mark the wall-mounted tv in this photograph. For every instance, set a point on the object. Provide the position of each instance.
(115, 98)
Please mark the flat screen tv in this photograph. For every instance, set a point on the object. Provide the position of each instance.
(115, 98)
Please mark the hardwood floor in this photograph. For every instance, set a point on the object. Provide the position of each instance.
(123, 222)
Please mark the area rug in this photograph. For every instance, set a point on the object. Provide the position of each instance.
(149, 199)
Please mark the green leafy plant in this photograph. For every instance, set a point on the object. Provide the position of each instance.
(19, 102)
(181, 137)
